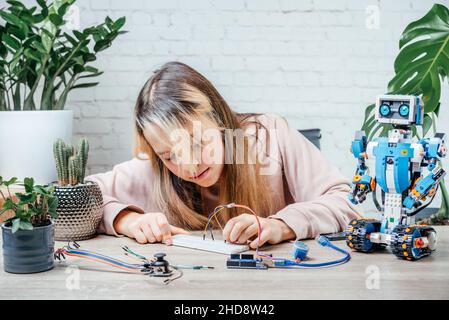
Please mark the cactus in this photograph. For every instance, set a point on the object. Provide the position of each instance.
(70, 162)
(58, 153)
(73, 177)
(83, 151)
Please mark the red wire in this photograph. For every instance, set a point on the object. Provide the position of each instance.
(259, 226)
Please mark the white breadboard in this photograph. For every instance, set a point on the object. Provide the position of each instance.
(218, 246)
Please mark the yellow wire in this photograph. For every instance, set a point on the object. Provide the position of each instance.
(214, 215)
(219, 224)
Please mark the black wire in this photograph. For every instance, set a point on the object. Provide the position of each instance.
(180, 274)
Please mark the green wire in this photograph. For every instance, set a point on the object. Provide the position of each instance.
(134, 253)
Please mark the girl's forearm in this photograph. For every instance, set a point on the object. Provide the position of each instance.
(287, 232)
(122, 220)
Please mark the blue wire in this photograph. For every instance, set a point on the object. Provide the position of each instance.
(105, 258)
(324, 242)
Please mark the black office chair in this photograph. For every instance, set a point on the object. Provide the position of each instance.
(313, 135)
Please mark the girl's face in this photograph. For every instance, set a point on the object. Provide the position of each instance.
(194, 154)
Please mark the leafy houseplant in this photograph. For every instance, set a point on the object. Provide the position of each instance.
(28, 240)
(420, 68)
(80, 203)
(37, 51)
(41, 62)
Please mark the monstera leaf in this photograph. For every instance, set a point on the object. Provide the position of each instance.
(424, 57)
(420, 67)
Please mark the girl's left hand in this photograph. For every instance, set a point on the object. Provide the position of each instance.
(244, 227)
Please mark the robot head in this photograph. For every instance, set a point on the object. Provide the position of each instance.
(399, 109)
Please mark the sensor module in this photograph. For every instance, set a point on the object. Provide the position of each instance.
(245, 261)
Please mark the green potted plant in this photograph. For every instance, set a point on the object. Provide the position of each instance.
(80, 206)
(420, 68)
(40, 64)
(28, 237)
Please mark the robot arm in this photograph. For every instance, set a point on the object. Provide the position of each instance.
(434, 149)
(362, 182)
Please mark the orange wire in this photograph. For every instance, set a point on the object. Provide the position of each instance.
(212, 216)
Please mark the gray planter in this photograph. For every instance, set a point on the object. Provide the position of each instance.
(28, 251)
(80, 210)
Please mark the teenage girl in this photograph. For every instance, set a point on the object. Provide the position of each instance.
(168, 188)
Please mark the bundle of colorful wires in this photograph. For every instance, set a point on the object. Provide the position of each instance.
(144, 266)
(119, 264)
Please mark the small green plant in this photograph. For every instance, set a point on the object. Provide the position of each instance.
(33, 208)
(70, 161)
(37, 52)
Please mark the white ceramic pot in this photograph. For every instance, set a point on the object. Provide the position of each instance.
(26, 142)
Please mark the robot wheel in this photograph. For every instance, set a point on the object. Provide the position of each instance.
(357, 234)
(407, 242)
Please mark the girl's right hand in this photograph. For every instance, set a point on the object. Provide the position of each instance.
(148, 227)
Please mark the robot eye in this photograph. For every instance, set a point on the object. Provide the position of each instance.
(404, 110)
(385, 110)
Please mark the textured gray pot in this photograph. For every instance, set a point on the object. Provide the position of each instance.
(80, 209)
(28, 251)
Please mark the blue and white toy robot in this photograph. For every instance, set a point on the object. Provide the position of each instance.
(406, 188)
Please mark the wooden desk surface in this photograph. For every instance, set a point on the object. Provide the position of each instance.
(426, 279)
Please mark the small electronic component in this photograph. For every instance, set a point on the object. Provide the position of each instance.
(158, 267)
(245, 261)
(300, 250)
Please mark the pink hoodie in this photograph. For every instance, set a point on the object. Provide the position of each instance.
(310, 194)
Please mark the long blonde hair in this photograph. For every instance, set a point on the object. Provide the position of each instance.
(174, 95)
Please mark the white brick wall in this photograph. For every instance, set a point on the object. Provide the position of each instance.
(314, 61)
